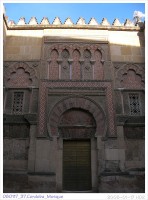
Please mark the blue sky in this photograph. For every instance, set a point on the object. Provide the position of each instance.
(122, 11)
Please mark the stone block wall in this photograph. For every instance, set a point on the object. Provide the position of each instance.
(132, 48)
(48, 71)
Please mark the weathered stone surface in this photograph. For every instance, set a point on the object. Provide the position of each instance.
(15, 149)
(112, 165)
(122, 184)
(23, 183)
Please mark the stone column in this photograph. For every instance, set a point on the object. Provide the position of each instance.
(92, 63)
(59, 61)
(48, 65)
(82, 63)
(70, 61)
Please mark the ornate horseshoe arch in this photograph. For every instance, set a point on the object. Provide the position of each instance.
(93, 122)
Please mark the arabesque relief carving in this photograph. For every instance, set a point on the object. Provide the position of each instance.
(20, 74)
(130, 76)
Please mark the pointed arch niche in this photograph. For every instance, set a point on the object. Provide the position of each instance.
(53, 65)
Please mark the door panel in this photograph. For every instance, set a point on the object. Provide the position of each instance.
(76, 165)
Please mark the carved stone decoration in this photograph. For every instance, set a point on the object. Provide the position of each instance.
(132, 80)
(130, 76)
(6, 64)
(54, 66)
(78, 103)
(77, 123)
(65, 67)
(20, 75)
(87, 72)
(35, 64)
(76, 67)
(86, 61)
(45, 85)
(98, 67)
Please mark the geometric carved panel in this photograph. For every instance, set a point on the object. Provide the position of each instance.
(18, 102)
(134, 104)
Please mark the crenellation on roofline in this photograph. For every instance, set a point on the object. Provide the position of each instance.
(68, 23)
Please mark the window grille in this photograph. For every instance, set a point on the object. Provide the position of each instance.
(18, 102)
(134, 104)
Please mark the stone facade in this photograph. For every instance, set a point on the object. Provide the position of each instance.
(74, 92)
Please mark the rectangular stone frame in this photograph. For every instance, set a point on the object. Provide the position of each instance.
(43, 92)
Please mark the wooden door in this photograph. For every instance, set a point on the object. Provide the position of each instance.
(76, 165)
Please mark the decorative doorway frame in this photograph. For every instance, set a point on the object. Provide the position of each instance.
(45, 130)
(97, 85)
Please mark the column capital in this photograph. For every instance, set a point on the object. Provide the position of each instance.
(70, 61)
(81, 61)
(59, 61)
(92, 62)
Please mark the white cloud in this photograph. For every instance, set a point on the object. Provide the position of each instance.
(138, 14)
